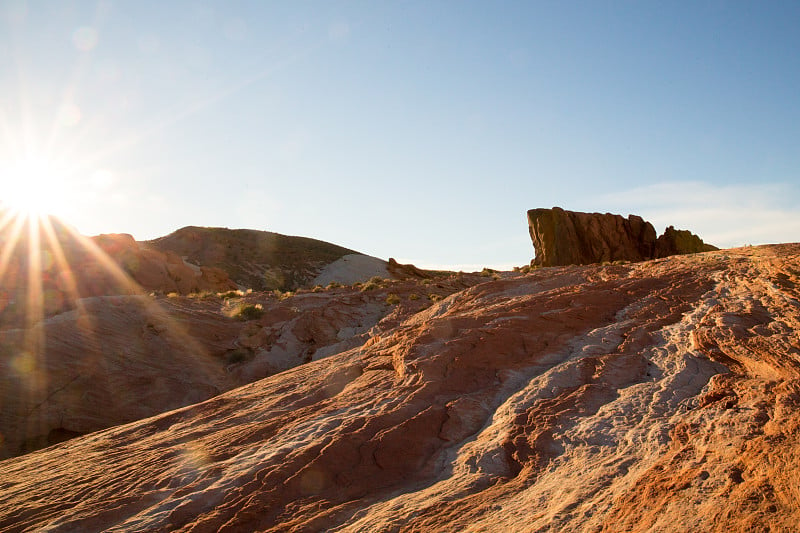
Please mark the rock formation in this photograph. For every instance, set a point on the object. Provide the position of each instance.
(676, 242)
(637, 397)
(165, 272)
(572, 238)
(137, 356)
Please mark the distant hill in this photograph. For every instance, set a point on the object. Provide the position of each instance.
(260, 260)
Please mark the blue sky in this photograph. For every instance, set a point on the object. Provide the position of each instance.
(416, 130)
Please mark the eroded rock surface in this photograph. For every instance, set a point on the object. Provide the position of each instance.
(635, 397)
(115, 359)
(573, 238)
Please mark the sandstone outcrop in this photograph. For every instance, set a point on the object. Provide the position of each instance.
(165, 272)
(115, 359)
(573, 238)
(676, 242)
(639, 397)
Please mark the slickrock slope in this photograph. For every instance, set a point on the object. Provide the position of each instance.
(572, 238)
(654, 396)
(116, 359)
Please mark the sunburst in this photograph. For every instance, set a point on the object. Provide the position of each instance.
(39, 278)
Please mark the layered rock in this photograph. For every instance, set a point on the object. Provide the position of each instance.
(563, 237)
(115, 359)
(636, 397)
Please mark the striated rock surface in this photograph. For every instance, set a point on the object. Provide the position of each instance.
(572, 238)
(115, 359)
(641, 397)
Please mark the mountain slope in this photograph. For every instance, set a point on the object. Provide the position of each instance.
(648, 396)
(260, 260)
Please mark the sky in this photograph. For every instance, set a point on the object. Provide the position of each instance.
(422, 131)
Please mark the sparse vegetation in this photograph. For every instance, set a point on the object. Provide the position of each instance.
(200, 295)
(334, 285)
(413, 296)
(317, 288)
(249, 312)
(392, 299)
(230, 294)
(434, 297)
(370, 285)
(487, 272)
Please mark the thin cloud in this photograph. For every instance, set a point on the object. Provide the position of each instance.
(725, 215)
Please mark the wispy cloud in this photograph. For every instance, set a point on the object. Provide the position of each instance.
(724, 215)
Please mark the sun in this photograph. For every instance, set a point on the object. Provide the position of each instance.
(33, 185)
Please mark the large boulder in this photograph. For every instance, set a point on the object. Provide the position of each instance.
(563, 237)
(568, 237)
(680, 241)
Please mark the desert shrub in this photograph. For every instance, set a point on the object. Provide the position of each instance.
(172, 295)
(413, 296)
(434, 297)
(487, 272)
(334, 285)
(375, 279)
(317, 288)
(230, 294)
(392, 299)
(201, 295)
(495, 276)
(357, 284)
(285, 295)
(249, 312)
(369, 286)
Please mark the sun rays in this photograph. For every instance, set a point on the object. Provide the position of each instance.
(46, 269)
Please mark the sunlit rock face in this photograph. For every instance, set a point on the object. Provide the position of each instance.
(573, 238)
(648, 396)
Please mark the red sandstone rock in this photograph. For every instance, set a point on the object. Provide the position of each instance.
(651, 396)
(572, 238)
